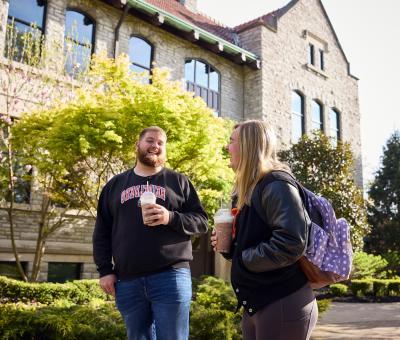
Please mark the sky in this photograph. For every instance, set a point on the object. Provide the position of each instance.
(369, 32)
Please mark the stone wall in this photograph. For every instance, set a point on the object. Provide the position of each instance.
(245, 94)
(284, 55)
(72, 243)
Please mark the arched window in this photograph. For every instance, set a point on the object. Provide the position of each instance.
(24, 15)
(79, 41)
(297, 116)
(140, 55)
(334, 117)
(22, 173)
(204, 81)
(317, 118)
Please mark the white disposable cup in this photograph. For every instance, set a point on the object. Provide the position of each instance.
(147, 198)
(223, 226)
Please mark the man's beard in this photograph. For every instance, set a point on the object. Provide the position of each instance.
(152, 160)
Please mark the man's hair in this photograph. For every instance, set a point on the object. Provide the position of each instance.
(152, 129)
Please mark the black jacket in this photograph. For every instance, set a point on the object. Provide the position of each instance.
(123, 245)
(264, 254)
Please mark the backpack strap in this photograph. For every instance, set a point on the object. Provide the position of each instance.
(276, 175)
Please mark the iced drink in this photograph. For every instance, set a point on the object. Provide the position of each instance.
(223, 226)
(147, 198)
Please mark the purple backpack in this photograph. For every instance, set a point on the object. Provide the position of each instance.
(329, 255)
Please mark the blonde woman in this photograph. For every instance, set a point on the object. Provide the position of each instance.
(271, 229)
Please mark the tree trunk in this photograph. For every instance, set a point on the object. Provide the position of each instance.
(10, 209)
(41, 238)
(39, 252)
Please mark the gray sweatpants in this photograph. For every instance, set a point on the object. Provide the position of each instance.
(291, 318)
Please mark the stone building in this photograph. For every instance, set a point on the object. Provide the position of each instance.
(287, 67)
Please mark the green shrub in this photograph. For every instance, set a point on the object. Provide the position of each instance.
(338, 289)
(377, 287)
(362, 287)
(212, 311)
(78, 292)
(394, 287)
(215, 293)
(368, 266)
(380, 287)
(49, 322)
(323, 305)
(213, 324)
(393, 266)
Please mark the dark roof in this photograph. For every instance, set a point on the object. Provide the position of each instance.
(198, 19)
(269, 19)
(229, 34)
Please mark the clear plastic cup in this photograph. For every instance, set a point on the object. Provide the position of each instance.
(223, 220)
(147, 198)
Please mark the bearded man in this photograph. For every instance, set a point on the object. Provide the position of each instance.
(144, 260)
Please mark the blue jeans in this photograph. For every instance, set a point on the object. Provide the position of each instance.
(156, 306)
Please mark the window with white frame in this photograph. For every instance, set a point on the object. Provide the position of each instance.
(79, 41)
(334, 118)
(317, 49)
(317, 116)
(204, 80)
(298, 126)
(27, 19)
(140, 55)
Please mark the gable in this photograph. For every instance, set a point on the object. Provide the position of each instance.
(315, 8)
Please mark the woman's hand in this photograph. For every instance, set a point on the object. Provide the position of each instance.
(214, 240)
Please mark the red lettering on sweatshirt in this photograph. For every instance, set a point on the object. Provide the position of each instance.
(136, 190)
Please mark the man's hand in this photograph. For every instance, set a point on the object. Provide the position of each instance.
(155, 214)
(107, 283)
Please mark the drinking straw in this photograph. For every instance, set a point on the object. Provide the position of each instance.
(147, 186)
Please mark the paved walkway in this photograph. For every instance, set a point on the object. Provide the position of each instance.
(359, 321)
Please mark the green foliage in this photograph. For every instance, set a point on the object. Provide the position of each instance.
(393, 266)
(209, 324)
(384, 210)
(394, 287)
(212, 311)
(52, 322)
(323, 305)
(76, 292)
(78, 310)
(329, 171)
(92, 137)
(362, 287)
(338, 289)
(380, 287)
(368, 266)
(376, 287)
(214, 293)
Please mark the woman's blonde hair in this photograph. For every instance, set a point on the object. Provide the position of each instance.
(257, 157)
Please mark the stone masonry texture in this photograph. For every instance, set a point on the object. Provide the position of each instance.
(245, 94)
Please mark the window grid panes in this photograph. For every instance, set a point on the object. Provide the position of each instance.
(79, 41)
(334, 118)
(140, 56)
(22, 173)
(317, 116)
(297, 116)
(204, 81)
(26, 17)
